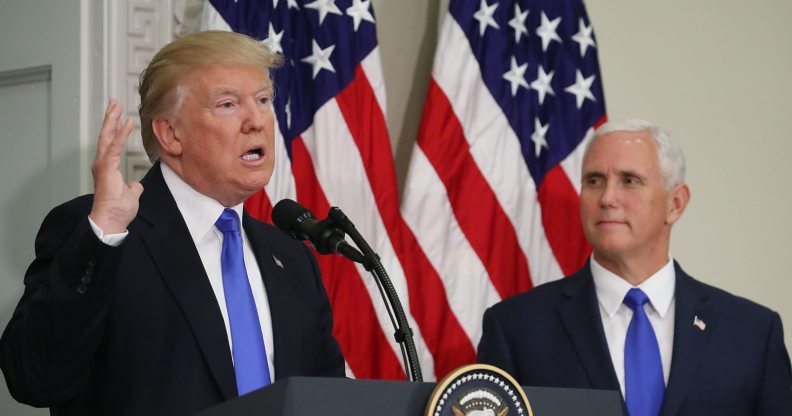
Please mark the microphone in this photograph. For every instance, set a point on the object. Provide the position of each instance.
(301, 224)
(327, 236)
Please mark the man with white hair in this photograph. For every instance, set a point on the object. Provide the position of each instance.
(631, 319)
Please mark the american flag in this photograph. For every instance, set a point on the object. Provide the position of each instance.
(472, 226)
(493, 184)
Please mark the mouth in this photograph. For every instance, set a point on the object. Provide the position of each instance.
(253, 154)
(609, 222)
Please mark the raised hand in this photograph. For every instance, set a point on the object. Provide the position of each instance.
(115, 202)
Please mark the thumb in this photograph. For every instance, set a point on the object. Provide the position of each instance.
(136, 188)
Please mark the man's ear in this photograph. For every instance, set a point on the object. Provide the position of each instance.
(680, 196)
(167, 136)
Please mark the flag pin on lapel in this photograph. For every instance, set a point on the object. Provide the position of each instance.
(698, 323)
(278, 262)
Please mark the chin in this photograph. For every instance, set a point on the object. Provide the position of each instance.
(252, 187)
(608, 246)
(256, 179)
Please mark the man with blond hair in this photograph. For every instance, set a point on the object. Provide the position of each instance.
(631, 319)
(164, 296)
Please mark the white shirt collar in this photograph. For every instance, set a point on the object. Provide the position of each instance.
(200, 212)
(611, 288)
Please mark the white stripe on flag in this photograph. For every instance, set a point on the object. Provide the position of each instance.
(372, 67)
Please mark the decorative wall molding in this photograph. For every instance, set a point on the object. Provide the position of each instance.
(26, 75)
(137, 30)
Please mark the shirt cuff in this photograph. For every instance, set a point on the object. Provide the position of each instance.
(113, 240)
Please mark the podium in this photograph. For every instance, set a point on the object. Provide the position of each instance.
(298, 396)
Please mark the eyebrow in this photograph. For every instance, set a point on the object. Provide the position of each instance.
(595, 174)
(622, 173)
(232, 91)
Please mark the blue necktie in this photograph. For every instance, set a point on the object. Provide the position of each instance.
(250, 356)
(643, 372)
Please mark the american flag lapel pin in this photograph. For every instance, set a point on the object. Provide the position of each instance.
(698, 323)
(278, 262)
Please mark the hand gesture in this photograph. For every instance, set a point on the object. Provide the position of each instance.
(115, 202)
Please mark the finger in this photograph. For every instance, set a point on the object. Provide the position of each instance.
(111, 114)
(120, 138)
(109, 125)
(110, 104)
(136, 188)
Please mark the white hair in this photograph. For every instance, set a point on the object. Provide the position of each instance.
(670, 156)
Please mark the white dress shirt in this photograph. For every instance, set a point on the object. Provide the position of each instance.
(659, 288)
(200, 212)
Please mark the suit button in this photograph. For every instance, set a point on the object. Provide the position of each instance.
(86, 279)
(82, 289)
(89, 271)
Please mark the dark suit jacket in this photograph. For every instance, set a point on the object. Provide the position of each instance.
(136, 329)
(738, 365)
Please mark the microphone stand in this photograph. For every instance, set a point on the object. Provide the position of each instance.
(403, 334)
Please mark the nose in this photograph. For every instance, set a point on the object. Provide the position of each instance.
(610, 195)
(254, 116)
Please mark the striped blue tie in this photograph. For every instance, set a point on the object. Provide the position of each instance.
(250, 356)
(643, 371)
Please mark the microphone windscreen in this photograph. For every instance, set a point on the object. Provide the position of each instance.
(288, 215)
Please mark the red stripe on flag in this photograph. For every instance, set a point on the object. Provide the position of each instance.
(444, 336)
(356, 326)
(478, 212)
(259, 206)
(561, 220)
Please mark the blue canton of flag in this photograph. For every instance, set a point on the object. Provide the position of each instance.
(538, 60)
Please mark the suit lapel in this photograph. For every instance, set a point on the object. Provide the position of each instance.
(170, 245)
(274, 268)
(689, 340)
(581, 317)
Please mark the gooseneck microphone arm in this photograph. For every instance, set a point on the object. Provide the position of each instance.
(327, 237)
(403, 334)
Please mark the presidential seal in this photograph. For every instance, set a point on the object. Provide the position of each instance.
(478, 390)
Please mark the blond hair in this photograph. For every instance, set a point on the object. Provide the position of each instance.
(161, 89)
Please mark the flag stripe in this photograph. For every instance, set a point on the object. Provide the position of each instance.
(427, 299)
(259, 206)
(475, 206)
